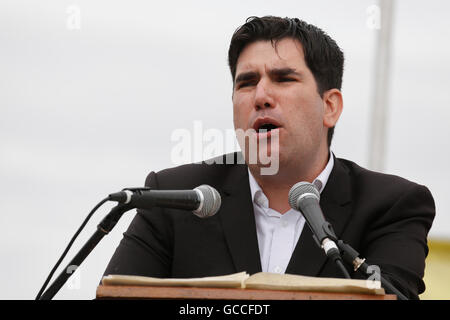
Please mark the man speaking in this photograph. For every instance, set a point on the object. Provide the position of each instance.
(287, 76)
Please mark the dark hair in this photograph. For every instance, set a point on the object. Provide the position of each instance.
(322, 55)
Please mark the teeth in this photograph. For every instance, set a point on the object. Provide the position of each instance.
(267, 127)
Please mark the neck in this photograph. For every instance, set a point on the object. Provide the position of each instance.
(276, 187)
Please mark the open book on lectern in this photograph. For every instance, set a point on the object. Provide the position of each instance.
(261, 280)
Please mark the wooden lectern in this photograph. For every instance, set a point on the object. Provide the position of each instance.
(152, 292)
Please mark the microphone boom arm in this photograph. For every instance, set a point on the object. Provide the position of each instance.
(103, 228)
(351, 256)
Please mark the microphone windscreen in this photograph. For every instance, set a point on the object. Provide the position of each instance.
(299, 189)
(210, 203)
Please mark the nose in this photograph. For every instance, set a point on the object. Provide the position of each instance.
(263, 96)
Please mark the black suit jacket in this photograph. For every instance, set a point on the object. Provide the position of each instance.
(385, 218)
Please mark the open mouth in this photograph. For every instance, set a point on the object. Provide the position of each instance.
(266, 125)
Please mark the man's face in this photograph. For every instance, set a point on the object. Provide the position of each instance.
(274, 89)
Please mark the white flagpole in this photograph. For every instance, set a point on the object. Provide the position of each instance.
(380, 93)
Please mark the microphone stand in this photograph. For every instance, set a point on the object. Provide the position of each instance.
(103, 228)
(328, 244)
(351, 256)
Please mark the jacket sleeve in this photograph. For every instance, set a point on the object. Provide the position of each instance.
(145, 248)
(397, 243)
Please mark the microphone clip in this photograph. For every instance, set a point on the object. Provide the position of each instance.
(137, 189)
(124, 196)
(329, 232)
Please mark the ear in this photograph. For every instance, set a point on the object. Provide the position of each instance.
(333, 104)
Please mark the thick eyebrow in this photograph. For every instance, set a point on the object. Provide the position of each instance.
(245, 76)
(283, 72)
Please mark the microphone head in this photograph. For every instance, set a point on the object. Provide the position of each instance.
(210, 201)
(301, 189)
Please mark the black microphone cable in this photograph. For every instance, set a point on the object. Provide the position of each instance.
(344, 271)
(44, 286)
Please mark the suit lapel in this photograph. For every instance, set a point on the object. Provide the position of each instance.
(238, 221)
(335, 202)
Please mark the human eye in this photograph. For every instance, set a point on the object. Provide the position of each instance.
(244, 84)
(286, 79)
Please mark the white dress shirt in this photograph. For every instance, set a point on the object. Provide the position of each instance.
(278, 233)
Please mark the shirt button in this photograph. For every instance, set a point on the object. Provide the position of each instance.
(284, 224)
(277, 269)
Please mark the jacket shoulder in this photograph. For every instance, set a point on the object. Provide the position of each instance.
(362, 175)
(386, 188)
(188, 176)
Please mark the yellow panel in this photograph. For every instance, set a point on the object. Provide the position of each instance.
(437, 271)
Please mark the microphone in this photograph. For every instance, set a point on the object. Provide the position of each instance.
(304, 197)
(204, 201)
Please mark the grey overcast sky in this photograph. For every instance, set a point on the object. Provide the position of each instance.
(89, 106)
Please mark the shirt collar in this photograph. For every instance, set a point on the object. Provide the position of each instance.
(320, 182)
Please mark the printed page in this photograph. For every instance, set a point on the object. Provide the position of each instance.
(235, 280)
(274, 281)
